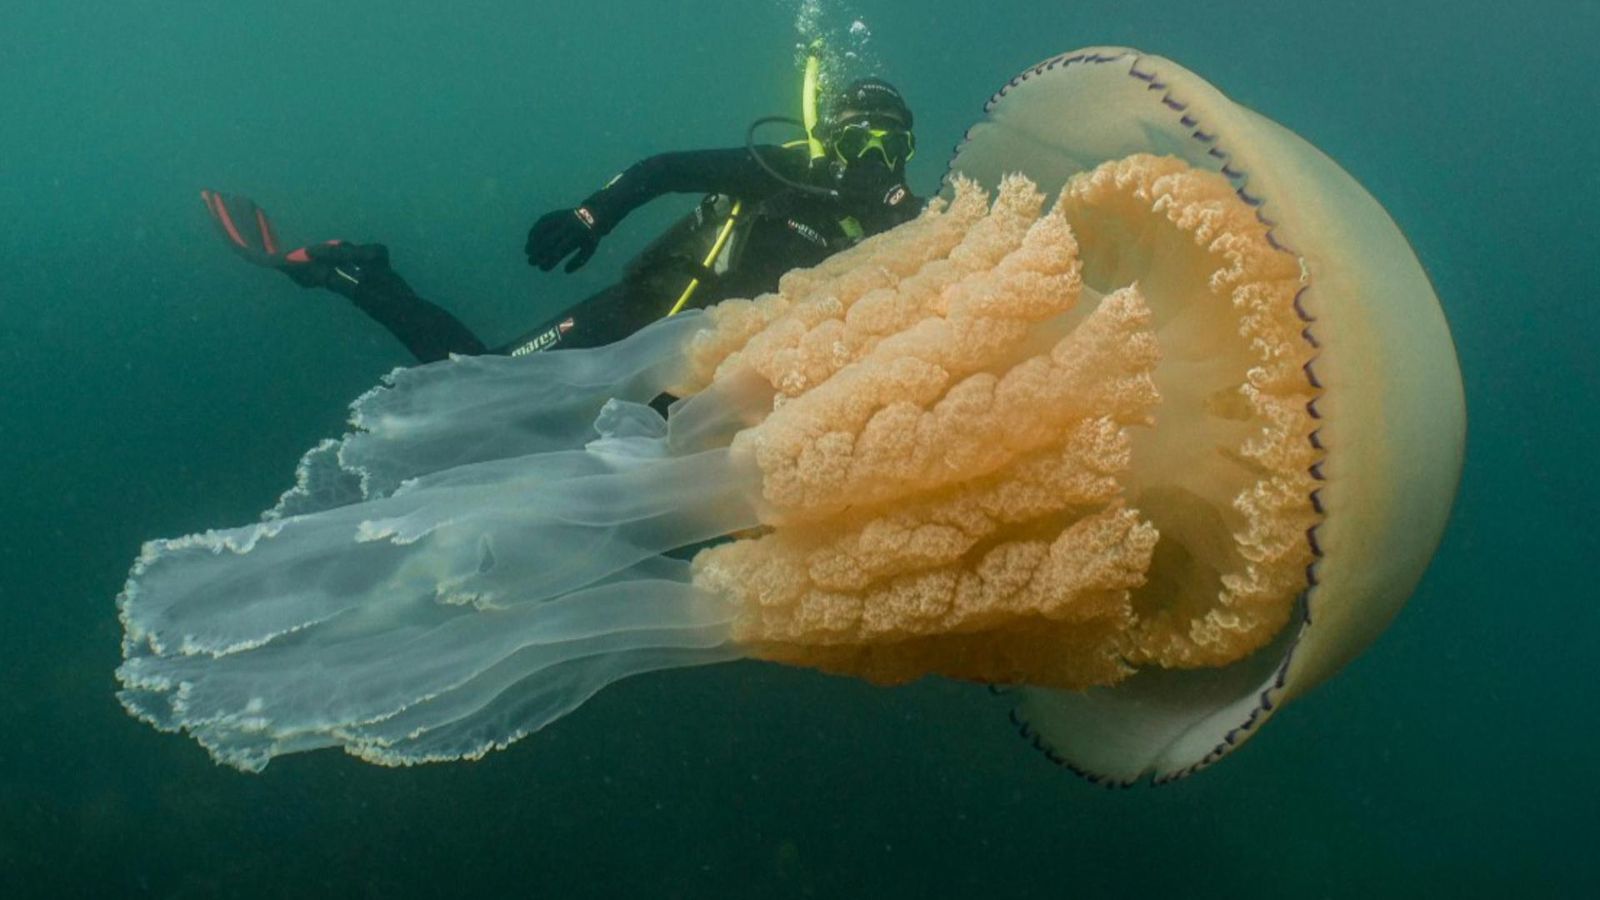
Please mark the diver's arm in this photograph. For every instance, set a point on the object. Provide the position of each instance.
(576, 232)
(730, 171)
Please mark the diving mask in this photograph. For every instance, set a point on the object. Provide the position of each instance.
(855, 140)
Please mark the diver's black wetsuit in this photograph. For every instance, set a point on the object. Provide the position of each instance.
(781, 228)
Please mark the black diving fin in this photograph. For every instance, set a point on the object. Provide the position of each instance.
(250, 234)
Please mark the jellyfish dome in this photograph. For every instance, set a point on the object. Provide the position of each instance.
(1152, 421)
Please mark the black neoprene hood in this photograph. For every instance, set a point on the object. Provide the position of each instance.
(871, 97)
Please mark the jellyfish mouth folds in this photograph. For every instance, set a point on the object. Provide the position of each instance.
(1031, 447)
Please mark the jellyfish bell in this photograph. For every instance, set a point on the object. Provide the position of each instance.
(1388, 406)
(1115, 423)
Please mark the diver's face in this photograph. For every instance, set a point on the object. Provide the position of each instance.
(865, 177)
(870, 154)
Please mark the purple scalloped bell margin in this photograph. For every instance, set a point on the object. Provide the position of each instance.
(1242, 732)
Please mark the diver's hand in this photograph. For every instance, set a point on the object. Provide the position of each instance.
(560, 233)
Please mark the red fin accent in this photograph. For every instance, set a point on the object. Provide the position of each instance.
(298, 256)
(268, 239)
(219, 210)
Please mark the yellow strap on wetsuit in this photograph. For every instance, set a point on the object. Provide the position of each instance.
(711, 258)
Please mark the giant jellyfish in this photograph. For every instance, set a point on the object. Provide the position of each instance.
(1152, 423)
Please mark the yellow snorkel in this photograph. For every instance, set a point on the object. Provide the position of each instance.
(808, 99)
(811, 116)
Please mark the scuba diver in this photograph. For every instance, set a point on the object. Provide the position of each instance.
(767, 209)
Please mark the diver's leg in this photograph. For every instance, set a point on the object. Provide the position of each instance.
(601, 318)
(359, 272)
(427, 330)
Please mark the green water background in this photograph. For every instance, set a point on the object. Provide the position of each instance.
(154, 385)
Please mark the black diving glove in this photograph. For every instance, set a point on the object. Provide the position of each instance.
(560, 233)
